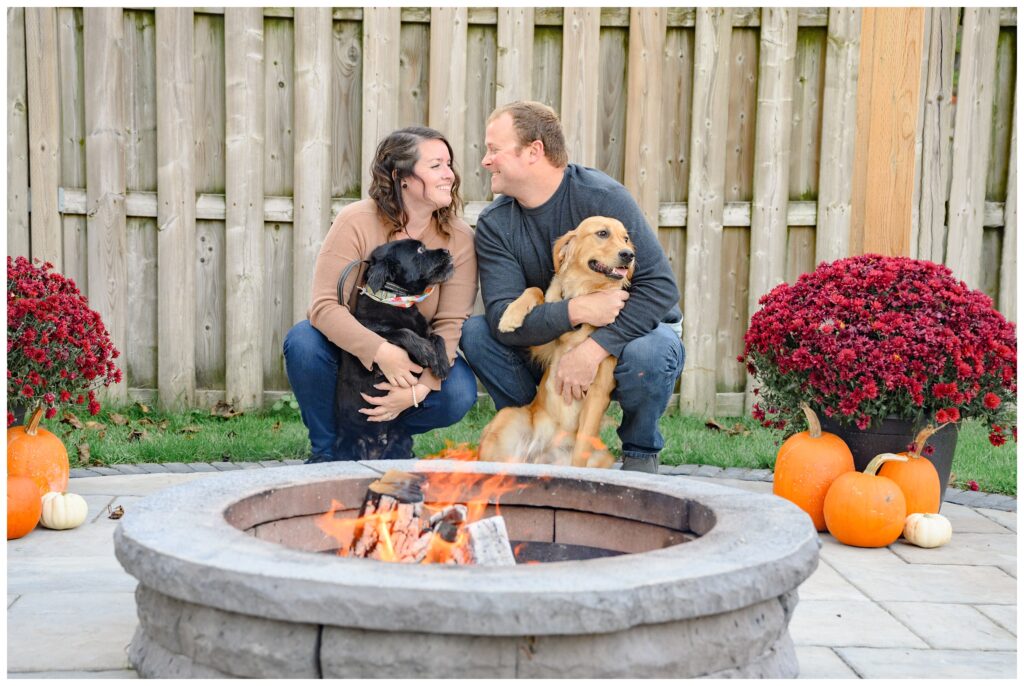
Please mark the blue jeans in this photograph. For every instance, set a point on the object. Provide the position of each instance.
(311, 361)
(644, 379)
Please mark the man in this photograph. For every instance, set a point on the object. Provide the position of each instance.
(542, 198)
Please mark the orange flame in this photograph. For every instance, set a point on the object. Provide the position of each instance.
(451, 451)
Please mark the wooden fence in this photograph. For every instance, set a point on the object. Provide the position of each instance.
(185, 164)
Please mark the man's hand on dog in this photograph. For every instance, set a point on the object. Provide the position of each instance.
(597, 309)
(394, 362)
(384, 408)
(577, 369)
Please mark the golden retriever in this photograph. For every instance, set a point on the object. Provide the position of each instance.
(597, 255)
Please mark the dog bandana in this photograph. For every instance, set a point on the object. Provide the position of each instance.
(396, 296)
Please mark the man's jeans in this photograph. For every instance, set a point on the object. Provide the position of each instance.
(644, 379)
(311, 361)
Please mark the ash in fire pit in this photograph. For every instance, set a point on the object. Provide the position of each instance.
(231, 582)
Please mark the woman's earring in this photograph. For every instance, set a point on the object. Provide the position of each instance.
(405, 185)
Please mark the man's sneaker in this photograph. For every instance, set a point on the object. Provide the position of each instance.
(646, 463)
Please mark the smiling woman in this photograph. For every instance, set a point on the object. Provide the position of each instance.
(414, 193)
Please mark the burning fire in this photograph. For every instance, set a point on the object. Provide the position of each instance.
(451, 451)
(451, 501)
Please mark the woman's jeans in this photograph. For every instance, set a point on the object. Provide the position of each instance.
(311, 361)
(645, 377)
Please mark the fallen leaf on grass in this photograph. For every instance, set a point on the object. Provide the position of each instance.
(145, 420)
(190, 429)
(70, 419)
(84, 454)
(164, 424)
(137, 435)
(276, 427)
(713, 425)
(143, 408)
(736, 429)
(118, 419)
(116, 513)
(224, 410)
(95, 426)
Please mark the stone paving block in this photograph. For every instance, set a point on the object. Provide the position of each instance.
(248, 465)
(225, 466)
(1003, 615)
(934, 623)
(11, 598)
(998, 501)
(1004, 519)
(963, 549)
(127, 469)
(103, 675)
(152, 468)
(758, 474)
(817, 662)
(178, 467)
(1009, 569)
(848, 623)
(826, 584)
(93, 537)
(79, 472)
(71, 574)
(684, 469)
(105, 471)
(955, 496)
(203, 467)
(708, 470)
(967, 521)
(736, 473)
(130, 484)
(294, 462)
(271, 463)
(878, 663)
(85, 631)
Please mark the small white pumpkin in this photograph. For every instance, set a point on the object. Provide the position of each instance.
(63, 510)
(927, 530)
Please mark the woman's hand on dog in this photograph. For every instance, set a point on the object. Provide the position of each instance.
(384, 408)
(597, 309)
(394, 362)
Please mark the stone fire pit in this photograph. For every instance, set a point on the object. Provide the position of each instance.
(236, 579)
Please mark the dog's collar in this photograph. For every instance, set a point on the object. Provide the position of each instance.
(396, 296)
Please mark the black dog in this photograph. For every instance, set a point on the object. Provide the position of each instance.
(401, 268)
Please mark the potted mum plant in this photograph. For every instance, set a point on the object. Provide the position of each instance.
(881, 347)
(58, 351)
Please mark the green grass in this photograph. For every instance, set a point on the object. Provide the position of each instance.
(196, 436)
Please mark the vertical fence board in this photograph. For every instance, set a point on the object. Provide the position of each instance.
(414, 74)
(800, 252)
(770, 205)
(547, 66)
(515, 60)
(1002, 114)
(805, 135)
(346, 109)
(278, 170)
(973, 126)
(936, 128)
(243, 192)
(17, 135)
(581, 54)
(176, 207)
(210, 275)
(447, 98)
(481, 81)
(1008, 268)
(105, 157)
(991, 252)
(71, 75)
(644, 93)
(43, 133)
(677, 90)
(705, 208)
(312, 147)
(612, 97)
(839, 113)
(381, 45)
(140, 359)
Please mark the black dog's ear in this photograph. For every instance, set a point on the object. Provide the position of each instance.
(378, 274)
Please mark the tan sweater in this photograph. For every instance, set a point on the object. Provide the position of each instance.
(356, 231)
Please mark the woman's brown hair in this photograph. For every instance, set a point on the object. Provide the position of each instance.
(396, 156)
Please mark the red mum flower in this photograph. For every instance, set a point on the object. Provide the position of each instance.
(991, 401)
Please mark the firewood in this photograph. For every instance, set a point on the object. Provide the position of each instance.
(488, 542)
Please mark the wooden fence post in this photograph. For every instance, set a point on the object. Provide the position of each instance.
(581, 54)
(698, 391)
(515, 55)
(446, 109)
(176, 208)
(243, 194)
(1008, 266)
(381, 37)
(838, 134)
(643, 110)
(971, 143)
(106, 130)
(312, 161)
(44, 134)
(17, 136)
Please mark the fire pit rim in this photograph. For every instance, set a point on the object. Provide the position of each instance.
(199, 557)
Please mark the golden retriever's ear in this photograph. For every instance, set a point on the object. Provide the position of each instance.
(561, 249)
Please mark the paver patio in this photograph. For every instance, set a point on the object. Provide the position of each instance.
(899, 611)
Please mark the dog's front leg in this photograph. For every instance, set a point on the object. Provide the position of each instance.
(588, 450)
(419, 349)
(517, 310)
(439, 364)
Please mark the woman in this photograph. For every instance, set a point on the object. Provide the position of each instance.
(414, 194)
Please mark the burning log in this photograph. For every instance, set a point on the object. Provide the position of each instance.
(394, 525)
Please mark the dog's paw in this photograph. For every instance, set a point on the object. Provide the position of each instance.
(441, 368)
(517, 310)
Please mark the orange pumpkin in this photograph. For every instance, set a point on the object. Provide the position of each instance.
(917, 477)
(24, 506)
(864, 509)
(807, 464)
(34, 452)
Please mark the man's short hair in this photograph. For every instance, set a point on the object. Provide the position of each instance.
(535, 121)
